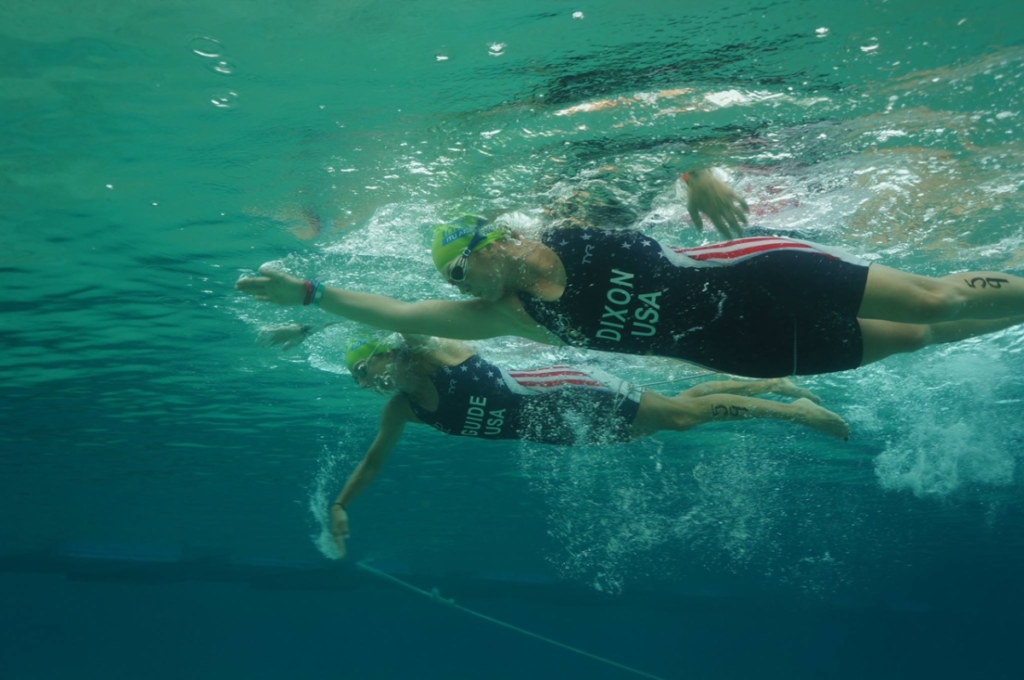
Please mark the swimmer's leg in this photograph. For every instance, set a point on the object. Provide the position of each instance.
(885, 338)
(784, 387)
(658, 412)
(893, 295)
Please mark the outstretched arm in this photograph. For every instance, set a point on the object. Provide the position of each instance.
(392, 423)
(463, 320)
(724, 207)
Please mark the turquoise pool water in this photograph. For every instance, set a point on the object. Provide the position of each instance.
(153, 153)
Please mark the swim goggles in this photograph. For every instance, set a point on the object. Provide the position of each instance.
(460, 269)
(382, 384)
(360, 368)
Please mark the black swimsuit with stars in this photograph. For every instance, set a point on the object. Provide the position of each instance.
(763, 307)
(555, 405)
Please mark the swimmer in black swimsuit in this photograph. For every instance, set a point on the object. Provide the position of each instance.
(445, 384)
(766, 307)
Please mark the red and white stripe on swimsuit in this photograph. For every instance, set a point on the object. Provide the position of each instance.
(742, 249)
(554, 377)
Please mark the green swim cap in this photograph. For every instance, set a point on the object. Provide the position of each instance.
(453, 238)
(364, 349)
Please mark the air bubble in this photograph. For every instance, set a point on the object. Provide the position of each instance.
(206, 47)
(224, 67)
(225, 100)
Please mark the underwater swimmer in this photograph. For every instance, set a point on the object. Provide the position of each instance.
(757, 307)
(446, 385)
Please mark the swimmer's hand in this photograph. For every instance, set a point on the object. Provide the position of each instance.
(339, 527)
(273, 286)
(724, 207)
(287, 336)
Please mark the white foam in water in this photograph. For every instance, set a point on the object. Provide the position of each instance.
(323, 490)
(956, 432)
(937, 459)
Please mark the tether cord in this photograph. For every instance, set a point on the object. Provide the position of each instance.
(436, 596)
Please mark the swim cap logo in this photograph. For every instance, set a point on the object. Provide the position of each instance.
(456, 235)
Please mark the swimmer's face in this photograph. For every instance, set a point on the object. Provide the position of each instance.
(476, 275)
(374, 372)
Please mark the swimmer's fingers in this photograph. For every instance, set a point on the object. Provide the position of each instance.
(339, 543)
(339, 528)
(711, 196)
(700, 209)
(735, 230)
(296, 338)
(252, 284)
(272, 270)
(698, 222)
(745, 210)
(718, 209)
(272, 336)
(736, 210)
(273, 286)
(721, 225)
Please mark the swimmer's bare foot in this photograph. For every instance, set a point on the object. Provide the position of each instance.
(787, 388)
(810, 414)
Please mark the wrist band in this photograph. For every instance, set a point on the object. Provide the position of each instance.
(340, 506)
(314, 291)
